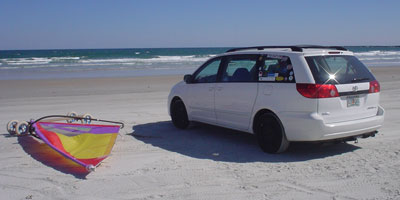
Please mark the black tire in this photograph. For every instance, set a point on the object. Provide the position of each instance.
(271, 134)
(179, 115)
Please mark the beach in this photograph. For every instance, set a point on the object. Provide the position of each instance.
(153, 160)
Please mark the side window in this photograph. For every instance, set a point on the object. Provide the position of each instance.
(208, 73)
(277, 69)
(241, 68)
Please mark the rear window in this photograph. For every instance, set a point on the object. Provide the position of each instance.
(338, 70)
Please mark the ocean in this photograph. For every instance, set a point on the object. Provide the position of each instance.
(91, 63)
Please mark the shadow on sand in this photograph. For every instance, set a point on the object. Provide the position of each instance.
(49, 157)
(220, 144)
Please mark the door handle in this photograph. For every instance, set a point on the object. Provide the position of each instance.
(219, 88)
(210, 89)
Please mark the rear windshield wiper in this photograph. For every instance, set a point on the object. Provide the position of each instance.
(354, 80)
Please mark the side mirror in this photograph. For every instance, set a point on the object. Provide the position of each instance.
(188, 78)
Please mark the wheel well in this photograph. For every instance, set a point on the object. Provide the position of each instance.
(257, 117)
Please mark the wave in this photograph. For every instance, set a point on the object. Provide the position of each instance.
(36, 61)
(25, 61)
(65, 58)
(158, 59)
(376, 55)
(63, 63)
(138, 61)
(42, 61)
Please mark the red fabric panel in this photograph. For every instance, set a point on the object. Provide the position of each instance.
(52, 138)
(93, 161)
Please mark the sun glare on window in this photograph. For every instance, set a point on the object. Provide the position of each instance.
(332, 77)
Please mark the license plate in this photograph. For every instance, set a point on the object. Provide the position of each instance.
(353, 101)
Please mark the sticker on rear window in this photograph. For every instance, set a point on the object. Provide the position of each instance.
(282, 58)
(269, 78)
(272, 74)
(279, 78)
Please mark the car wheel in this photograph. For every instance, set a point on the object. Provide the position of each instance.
(270, 134)
(179, 115)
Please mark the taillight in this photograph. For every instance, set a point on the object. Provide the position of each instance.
(374, 86)
(317, 90)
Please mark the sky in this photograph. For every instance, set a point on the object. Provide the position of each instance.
(83, 24)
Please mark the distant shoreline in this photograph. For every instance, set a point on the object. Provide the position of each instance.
(132, 62)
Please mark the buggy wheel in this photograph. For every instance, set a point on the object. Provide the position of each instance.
(22, 128)
(87, 118)
(271, 134)
(179, 115)
(12, 126)
(72, 114)
(90, 168)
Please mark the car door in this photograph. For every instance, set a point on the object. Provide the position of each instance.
(202, 91)
(236, 91)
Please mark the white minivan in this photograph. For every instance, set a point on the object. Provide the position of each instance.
(282, 94)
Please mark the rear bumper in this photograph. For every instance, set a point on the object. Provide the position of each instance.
(311, 127)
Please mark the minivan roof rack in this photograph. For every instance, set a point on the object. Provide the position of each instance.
(298, 48)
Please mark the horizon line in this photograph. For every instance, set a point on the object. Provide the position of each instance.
(200, 47)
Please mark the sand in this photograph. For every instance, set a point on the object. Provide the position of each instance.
(154, 160)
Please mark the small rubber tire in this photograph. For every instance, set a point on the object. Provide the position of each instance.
(179, 115)
(22, 128)
(87, 118)
(72, 114)
(12, 126)
(271, 134)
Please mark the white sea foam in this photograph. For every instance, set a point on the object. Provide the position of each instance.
(65, 58)
(159, 59)
(26, 61)
(159, 62)
(36, 61)
(4, 68)
(379, 58)
(378, 53)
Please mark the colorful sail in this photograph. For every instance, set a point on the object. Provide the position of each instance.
(86, 144)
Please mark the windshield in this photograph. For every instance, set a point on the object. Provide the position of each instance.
(338, 70)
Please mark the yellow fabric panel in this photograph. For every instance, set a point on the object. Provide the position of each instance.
(87, 146)
(111, 144)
